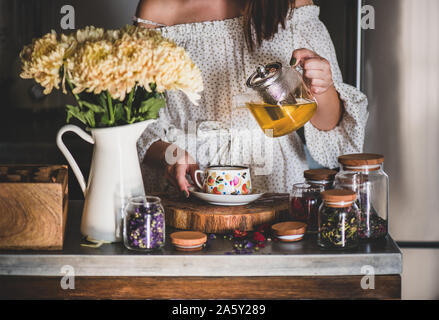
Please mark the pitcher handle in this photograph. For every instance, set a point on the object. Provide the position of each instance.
(75, 168)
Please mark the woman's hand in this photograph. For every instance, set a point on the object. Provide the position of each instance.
(176, 173)
(317, 75)
(316, 70)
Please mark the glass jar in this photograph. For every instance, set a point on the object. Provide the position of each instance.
(363, 173)
(304, 205)
(144, 224)
(338, 220)
(323, 177)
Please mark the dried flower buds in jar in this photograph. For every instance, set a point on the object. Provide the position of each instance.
(144, 224)
(338, 220)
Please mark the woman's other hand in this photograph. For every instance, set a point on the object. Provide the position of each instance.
(176, 173)
(176, 163)
(316, 70)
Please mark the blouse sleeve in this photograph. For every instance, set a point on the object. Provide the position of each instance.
(163, 129)
(348, 136)
(196, 138)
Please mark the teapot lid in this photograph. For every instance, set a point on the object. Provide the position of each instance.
(264, 75)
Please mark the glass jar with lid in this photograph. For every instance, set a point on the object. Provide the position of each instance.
(323, 177)
(304, 204)
(338, 220)
(364, 174)
(144, 224)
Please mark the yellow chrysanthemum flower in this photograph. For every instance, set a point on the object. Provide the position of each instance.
(115, 61)
(42, 61)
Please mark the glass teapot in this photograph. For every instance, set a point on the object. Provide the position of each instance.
(280, 101)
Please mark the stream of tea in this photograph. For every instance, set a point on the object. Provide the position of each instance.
(283, 119)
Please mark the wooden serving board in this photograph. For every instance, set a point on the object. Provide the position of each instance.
(193, 214)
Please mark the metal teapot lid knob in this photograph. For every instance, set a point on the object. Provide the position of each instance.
(264, 75)
(261, 71)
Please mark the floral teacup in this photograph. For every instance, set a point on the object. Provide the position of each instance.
(225, 180)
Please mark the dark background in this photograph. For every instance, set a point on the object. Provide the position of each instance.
(29, 122)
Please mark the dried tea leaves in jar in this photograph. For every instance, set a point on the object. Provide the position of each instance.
(338, 220)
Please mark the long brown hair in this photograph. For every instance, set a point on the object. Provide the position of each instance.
(262, 19)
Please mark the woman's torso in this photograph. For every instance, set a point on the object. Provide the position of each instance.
(219, 49)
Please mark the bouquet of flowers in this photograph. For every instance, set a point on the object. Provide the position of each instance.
(117, 76)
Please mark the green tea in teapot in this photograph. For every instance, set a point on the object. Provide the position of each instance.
(283, 102)
(283, 119)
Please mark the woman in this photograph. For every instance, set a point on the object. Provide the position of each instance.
(227, 39)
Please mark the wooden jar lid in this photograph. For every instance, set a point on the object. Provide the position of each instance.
(319, 174)
(339, 195)
(188, 240)
(289, 231)
(361, 159)
(289, 228)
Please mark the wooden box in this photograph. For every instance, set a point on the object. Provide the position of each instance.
(33, 207)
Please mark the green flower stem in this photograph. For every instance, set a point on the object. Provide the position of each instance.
(130, 103)
(110, 108)
(78, 100)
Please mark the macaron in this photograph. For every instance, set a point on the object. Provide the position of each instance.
(290, 231)
(188, 240)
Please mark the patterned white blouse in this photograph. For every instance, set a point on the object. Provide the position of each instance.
(217, 132)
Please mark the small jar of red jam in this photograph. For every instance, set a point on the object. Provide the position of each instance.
(323, 177)
(304, 204)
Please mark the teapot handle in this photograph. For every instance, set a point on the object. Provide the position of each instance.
(75, 168)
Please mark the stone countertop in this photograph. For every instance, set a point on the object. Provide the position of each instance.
(302, 258)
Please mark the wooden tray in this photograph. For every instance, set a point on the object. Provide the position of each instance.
(193, 214)
(33, 206)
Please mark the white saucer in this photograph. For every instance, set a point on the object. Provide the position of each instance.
(226, 200)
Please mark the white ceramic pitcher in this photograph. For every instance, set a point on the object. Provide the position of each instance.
(115, 176)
